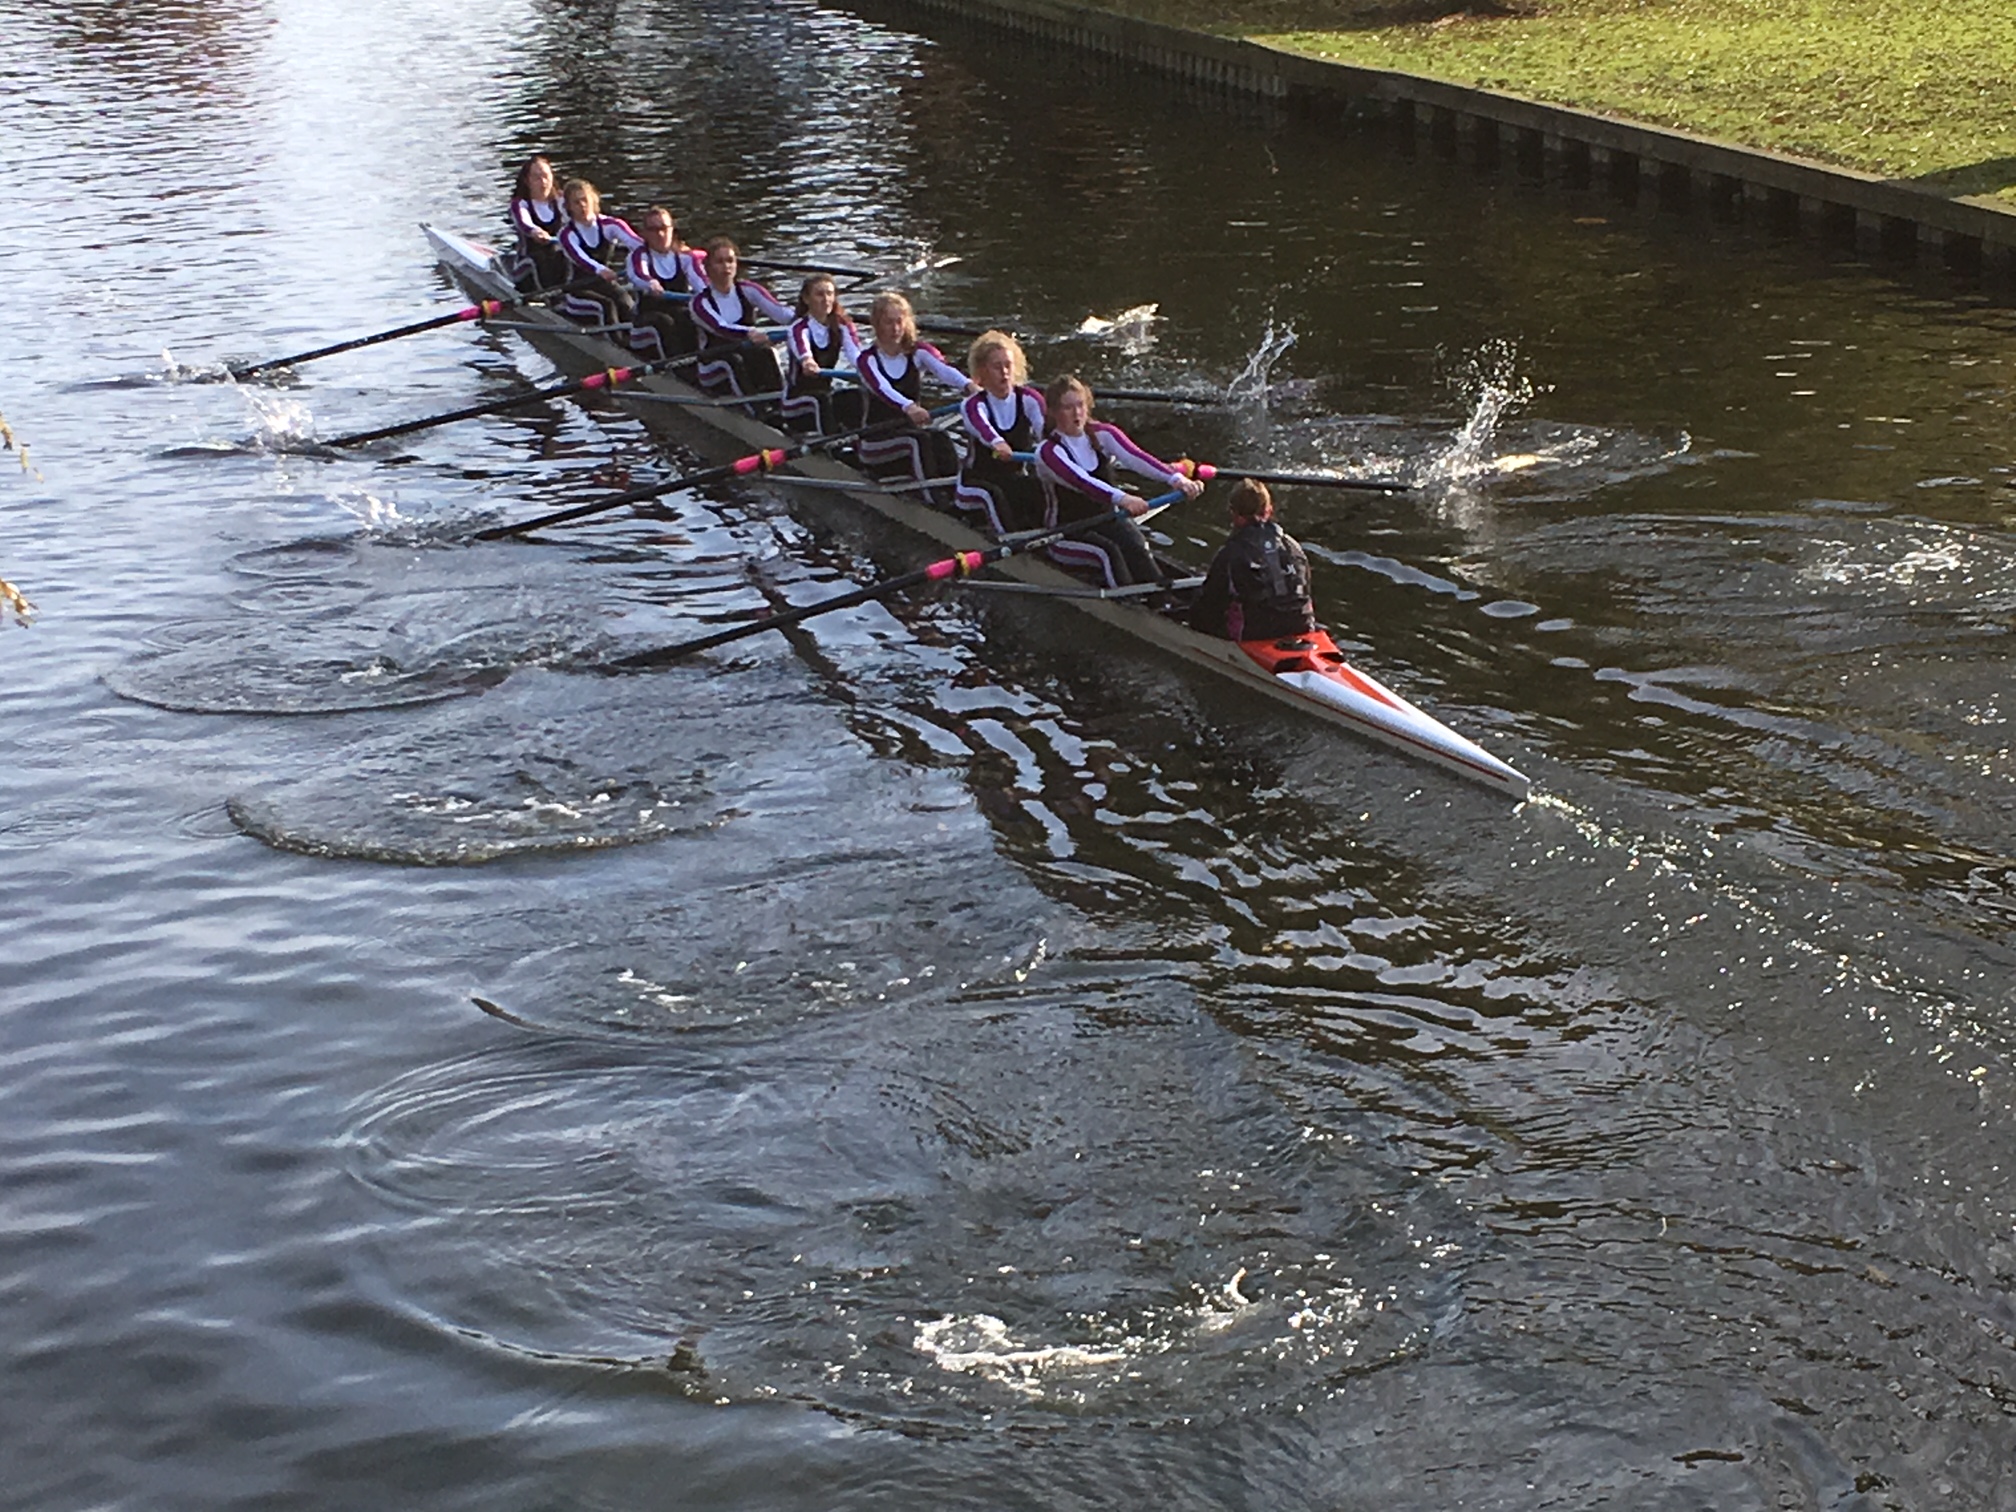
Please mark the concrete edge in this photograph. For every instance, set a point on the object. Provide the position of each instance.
(1879, 212)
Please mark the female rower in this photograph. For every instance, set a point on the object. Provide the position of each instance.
(821, 339)
(538, 213)
(892, 369)
(725, 311)
(1004, 417)
(1074, 462)
(665, 273)
(1258, 584)
(595, 244)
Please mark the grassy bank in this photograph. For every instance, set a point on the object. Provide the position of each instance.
(1918, 90)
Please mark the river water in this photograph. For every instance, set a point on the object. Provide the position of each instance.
(930, 1062)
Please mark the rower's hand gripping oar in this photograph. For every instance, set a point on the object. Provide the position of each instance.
(963, 564)
(486, 310)
(608, 378)
(763, 461)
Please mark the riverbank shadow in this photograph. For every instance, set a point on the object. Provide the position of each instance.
(1271, 17)
(1989, 176)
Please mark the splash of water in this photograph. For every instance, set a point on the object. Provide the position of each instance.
(376, 515)
(922, 259)
(1489, 384)
(1250, 386)
(1132, 330)
(173, 371)
(279, 422)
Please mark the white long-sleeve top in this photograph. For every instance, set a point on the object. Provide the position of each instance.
(988, 418)
(805, 346)
(586, 243)
(679, 271)
(1074, 462)
(890, 378)
(536, 216)
(732, 316)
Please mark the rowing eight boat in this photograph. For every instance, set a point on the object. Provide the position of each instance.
(1307, 672)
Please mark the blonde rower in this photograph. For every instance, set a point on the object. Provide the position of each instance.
(1003, 417)
(1076, 463)
(893, 368)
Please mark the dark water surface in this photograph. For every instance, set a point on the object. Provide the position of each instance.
(930, 1064)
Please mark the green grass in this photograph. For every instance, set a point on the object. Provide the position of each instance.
(1921, 90)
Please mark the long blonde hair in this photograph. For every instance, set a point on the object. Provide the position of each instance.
(594, 195)
(887, 301)
(1070, 382)
(987, 343)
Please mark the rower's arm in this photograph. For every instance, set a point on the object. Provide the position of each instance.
(979, 423)
(575, 253)
(528, 225)
(1121, 447)
(877, 382)
(933, 362)
(767, 302)
(799, 340)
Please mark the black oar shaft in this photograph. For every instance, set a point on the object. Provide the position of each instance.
(660, 655)
(754, 462)
(963, 564)
(608, 378)
(757, 461)
(774, 266)
(481, 311)
(949, 328)
(1158, 396)
(485, 310)
(1205, 472)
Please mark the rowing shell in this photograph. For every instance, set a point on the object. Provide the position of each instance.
(1308, 673)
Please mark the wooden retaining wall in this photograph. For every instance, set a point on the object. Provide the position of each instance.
(1882, 218)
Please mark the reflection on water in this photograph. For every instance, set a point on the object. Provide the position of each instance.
(941, 1034)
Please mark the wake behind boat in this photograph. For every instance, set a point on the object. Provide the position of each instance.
(1306, 672)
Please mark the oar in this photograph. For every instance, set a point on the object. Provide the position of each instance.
(763, 461)
(951, 328)
(1204, 472)
(963, 564)
(483, 311)
(862, 283)
(773, 266)
(1159, 396)
(607, 378)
